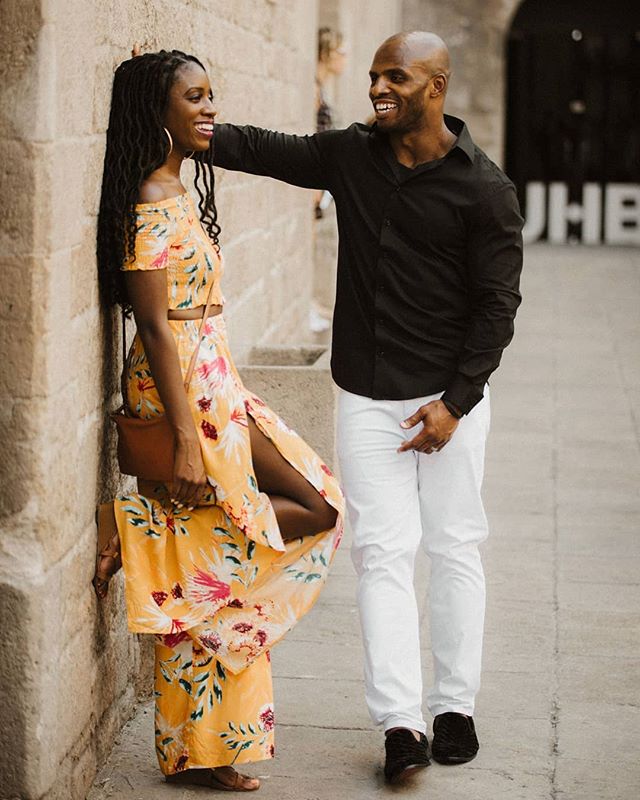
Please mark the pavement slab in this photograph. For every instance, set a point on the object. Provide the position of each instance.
(558, 714)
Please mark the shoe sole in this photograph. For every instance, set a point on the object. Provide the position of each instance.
(407, 772)
(453, 760)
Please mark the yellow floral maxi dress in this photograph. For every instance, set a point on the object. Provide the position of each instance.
(216, 585)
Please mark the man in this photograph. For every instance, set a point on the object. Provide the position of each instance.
(429, 262)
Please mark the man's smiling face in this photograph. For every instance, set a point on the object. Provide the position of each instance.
(399, 88)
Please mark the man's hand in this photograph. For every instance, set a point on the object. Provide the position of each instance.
(438, 426)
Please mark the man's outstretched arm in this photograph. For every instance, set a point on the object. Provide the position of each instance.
(299, 160)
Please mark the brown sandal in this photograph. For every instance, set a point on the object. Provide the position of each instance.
(108, 548)
(215, 783)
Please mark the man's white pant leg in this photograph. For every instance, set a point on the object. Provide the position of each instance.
(454, 524)
(381, 489)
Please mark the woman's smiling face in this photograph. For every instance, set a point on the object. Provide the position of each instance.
(190, 111)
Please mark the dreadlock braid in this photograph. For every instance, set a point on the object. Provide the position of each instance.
(136, 146)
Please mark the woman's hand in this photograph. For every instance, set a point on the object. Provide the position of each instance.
(147, 290)
(189, 477)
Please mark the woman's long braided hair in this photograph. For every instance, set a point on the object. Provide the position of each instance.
(136, 146)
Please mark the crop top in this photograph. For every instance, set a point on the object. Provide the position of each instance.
(170, 236)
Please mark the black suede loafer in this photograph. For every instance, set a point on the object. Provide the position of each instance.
(454, 739)
(404, 755)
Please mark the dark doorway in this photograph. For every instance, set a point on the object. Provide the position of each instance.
(573, 118)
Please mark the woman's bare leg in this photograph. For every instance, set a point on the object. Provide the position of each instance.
(299, 508)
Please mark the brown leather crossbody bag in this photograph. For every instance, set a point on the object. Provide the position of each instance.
(146, 447)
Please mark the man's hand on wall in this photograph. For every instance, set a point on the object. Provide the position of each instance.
(438, 426)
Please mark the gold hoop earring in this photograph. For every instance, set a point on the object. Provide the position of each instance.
(170, 142)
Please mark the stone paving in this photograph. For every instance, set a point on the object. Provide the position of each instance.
(559, 712)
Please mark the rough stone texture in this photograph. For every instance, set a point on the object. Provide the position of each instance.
(70, 672)
(559, 704)
(476, 35)
(297, 383)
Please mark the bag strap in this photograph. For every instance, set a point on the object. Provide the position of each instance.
(192, 362)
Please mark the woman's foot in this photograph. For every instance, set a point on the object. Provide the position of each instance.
(225, 779)
(108, 561)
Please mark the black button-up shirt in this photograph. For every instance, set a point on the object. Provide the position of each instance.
(429, 258)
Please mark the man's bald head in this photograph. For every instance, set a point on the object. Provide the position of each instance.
(409, 77)
(420, 47)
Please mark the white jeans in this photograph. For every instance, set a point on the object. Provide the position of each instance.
(395, 501)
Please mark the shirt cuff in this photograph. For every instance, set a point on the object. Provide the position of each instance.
(452, 409)
(463, 393)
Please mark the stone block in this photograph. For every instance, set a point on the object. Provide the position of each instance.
(296, 384)
(17, 190)
(26, 46)
(246, 321)
(65, 197)
(67, 719)
(15, 670)
(73, 77)
(17, 292)
(242, 267)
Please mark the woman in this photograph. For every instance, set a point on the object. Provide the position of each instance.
(215, 563)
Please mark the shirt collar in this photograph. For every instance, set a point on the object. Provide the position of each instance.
(464, 141)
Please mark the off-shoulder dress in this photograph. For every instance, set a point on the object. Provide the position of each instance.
(217, 586)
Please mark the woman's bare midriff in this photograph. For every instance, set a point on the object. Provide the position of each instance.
(193, 313)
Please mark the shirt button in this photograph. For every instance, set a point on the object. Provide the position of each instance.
(380, 353)
(387, 222)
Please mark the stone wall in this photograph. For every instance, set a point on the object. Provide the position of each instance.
(476, 34)
(70, 673)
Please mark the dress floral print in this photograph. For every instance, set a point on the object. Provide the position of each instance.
(216, 585)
